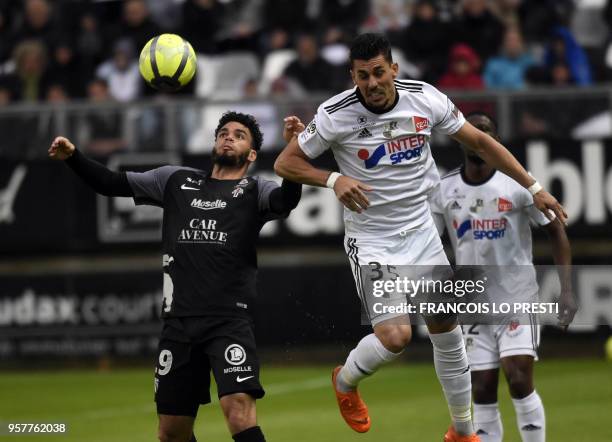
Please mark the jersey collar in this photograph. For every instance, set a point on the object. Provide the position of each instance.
(469, 182)
(377, 111)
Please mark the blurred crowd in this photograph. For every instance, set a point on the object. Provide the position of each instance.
(66, 49)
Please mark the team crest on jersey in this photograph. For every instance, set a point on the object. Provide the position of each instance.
(237, 192)
(503, 205)
(455, 206)
(389, 128)
(399, 150)
(362, 119)
(477, 206)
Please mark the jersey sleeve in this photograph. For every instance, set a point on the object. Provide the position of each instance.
(437, 208)
(446, 117)
(149, 186)
(265, 188)
(318, 135)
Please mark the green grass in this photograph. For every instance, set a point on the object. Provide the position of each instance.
(405, 403)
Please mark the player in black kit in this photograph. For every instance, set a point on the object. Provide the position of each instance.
(210, 227)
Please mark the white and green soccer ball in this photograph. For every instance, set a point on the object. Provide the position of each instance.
(167, 62)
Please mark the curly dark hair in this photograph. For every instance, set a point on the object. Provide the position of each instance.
(245, 119)
(370, 45)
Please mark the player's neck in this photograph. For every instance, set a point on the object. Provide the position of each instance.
(477, 173)
(228, 173)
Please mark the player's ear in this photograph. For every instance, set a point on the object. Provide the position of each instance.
(353, 77)
(394, 70)
(252, 155)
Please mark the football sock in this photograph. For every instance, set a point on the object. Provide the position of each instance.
(252, 434)
(369, 355)
(487, 422)
(453, 370)
(530, 418)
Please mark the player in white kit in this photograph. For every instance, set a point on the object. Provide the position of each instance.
(379, 134)
(487, 216)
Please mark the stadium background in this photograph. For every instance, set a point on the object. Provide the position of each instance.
(80, 279)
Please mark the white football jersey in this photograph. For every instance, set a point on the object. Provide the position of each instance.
(489, 225)
(388, 151)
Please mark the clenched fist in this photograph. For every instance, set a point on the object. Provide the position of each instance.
(61, 149)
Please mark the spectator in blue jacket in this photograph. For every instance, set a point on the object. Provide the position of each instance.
(507, 71)
(564, 50)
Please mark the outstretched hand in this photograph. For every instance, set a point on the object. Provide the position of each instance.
(292, 127)
(549, 205)
(61, 149)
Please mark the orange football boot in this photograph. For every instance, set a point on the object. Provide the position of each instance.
(352, 408)
(452, 436)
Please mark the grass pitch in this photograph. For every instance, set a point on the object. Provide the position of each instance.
(405, 402)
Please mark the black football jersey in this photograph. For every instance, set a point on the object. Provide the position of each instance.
(210, 229)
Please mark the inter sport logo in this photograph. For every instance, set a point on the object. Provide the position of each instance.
(482, 228)
(401, 149)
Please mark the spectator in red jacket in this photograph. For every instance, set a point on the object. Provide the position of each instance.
(463, 69)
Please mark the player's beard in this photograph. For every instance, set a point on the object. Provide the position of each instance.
(232, 161)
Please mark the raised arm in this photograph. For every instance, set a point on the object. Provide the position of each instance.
(95, 175)
(497, 156)
(293, 164)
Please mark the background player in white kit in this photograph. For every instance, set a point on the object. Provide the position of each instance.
(379, 134)
(487, 216)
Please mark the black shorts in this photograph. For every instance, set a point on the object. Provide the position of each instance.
(190, 348)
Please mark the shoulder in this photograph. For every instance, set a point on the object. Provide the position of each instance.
(343, 100)
(410, 86)
(259, 181)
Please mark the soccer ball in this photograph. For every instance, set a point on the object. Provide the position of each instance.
(167, 62)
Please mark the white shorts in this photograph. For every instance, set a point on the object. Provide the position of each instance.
(421, 249)
(487, 344)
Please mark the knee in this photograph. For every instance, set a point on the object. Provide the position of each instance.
(239, 411)
(520, 383)
(168, 434)
(484, 393)
(484, 386)
(395, 338)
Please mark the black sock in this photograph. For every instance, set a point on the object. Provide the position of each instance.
(193, 439)
(252, 434)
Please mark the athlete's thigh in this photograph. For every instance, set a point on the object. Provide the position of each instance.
(182, 378)
(233, 358)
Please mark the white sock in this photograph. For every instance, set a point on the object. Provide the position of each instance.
(363, 361)
(487, 422)
(530, 418)
(453, 370)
